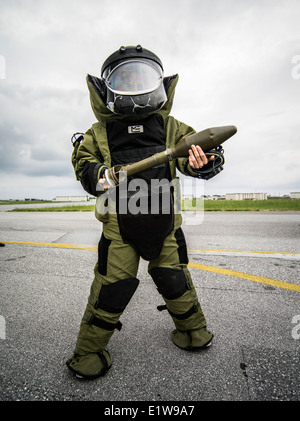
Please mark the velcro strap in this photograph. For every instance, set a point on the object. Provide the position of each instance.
(182, 316)
(105, 325)
(104, 361)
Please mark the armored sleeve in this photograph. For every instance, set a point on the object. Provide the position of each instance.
(90, 167)
(182, 164)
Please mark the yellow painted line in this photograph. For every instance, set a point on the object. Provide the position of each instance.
(241, 275)
(244, 251)
(94, 248)
(58, 245)
(248, 277)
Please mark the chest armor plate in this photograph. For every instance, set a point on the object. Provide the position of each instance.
(145, 206)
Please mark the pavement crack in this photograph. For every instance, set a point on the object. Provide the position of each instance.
(243, 367)
(14, 258)
(58, 240)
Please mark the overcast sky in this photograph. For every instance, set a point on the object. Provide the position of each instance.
(238, 63)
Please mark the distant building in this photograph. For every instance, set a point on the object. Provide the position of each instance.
(295, 195)
(215, 197)
(246, 196)
(71, 199)
(187, 197)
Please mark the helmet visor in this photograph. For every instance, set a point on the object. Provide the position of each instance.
(134, 77)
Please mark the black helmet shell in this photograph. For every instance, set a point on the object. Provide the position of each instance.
(128, 53)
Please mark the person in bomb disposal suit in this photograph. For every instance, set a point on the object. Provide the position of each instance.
(132, 101)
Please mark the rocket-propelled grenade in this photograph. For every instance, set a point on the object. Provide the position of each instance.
(207, 139)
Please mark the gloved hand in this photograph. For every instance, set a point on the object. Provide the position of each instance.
(209, 167)
(197, 158)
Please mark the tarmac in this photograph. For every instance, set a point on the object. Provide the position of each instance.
(245, 267)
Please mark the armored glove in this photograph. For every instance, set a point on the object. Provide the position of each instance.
(213, 167)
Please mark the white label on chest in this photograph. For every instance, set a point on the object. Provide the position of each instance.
(135, 129)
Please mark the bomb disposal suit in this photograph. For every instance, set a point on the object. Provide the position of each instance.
(132, 101)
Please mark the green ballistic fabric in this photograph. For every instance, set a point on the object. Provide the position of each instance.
(122, 263)
(192, 339)
(93, 338)
(90, 365)
(122, 259)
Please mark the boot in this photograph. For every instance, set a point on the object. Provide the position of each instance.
(90, 366)
(192, 339)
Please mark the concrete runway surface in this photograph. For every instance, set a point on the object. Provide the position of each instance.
(245, 267)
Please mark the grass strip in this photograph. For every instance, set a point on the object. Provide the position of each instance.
(192, 205)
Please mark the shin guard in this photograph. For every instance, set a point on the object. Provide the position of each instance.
(102, 315)
(181, 300)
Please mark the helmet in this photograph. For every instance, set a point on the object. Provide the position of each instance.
(134, 80)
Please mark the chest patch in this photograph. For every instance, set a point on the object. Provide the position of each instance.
(136, 129)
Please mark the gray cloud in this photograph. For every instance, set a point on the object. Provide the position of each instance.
(35, 129)
(235, 64)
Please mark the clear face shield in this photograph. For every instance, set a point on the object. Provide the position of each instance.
(134, 87)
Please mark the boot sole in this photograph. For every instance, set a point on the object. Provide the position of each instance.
(85, 377)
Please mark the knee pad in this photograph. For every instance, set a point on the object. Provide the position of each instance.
(114, 298)
(171, 283)
(182, 306)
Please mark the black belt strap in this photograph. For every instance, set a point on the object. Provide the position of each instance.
(182, 316)
(105, 325)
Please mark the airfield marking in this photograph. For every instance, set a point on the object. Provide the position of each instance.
(58, 245)
(94, 248)
(245, 251)
(247, 276)
(228, 272)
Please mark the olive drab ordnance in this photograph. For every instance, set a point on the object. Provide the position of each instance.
(207, 139)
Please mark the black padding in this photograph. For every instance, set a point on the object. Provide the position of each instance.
(146, 233)
(103, 247)
(171, 283)
(145, 229)
(114, 298)
(124, 145)
(89, 177)
(182, 249)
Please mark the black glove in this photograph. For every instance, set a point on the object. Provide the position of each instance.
(212, 168)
